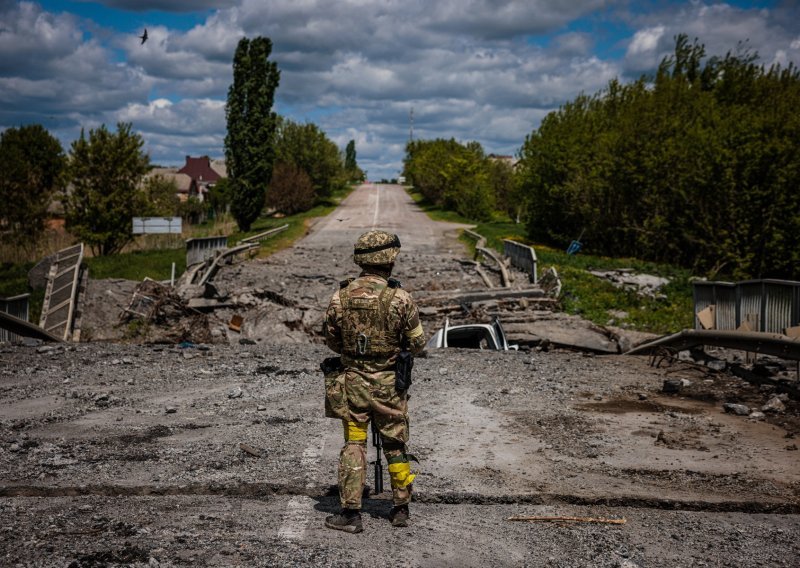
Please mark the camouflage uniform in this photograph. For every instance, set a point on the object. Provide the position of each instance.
(367, 320)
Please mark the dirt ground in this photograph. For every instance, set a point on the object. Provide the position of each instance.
(218, 454)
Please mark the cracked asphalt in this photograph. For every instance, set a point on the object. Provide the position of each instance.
(219, 455)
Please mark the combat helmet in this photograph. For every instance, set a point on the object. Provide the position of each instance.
(376, 247)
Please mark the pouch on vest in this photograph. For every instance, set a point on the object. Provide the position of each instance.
(402, 371)
(335, 395)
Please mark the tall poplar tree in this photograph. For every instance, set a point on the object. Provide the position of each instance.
(249, 152)
(350, 163)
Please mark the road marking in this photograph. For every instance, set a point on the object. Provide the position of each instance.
(377, 206)
(297, 516)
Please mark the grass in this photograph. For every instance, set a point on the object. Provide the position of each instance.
(584, 294)
(155, 264)
(436, 212)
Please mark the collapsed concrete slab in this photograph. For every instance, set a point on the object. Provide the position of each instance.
(570, 332)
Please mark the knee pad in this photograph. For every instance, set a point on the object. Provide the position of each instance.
(400, 472)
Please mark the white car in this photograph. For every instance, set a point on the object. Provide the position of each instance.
(471, 336)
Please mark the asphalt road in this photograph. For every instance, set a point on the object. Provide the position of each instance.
(385, 207)
(156, 455)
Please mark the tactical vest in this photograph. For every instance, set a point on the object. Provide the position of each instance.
(366, 329)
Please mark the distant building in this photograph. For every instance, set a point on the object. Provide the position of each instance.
(204, 173)
(187, 187)
(510, 160)
(195, 178)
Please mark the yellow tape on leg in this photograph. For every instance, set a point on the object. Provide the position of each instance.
(401, 474)
(355, 431)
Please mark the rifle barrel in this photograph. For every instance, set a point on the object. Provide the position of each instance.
(376, 442)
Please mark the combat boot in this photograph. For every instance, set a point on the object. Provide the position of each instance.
(349, 520)
(399, 516)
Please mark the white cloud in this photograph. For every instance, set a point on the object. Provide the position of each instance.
(720, 27)
(355, 67)
(645, 41)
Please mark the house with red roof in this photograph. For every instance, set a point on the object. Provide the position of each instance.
(203, 173)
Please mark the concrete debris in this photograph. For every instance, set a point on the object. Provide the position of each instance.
(235, 392)
(164, 316)
(643, 284)
(737, 409)
(774, 404)
(550, 282)
(756, 415)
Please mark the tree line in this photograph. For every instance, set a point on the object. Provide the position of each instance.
(697, 165)
(102, 181)
(460, 177)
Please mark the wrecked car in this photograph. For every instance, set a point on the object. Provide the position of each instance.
(471, 336)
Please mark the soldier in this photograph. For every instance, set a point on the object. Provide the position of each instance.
(369, 321)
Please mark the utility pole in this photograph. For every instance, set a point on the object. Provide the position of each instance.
(411, 121)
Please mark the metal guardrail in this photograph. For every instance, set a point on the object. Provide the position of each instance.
(265, 235)
(522, 257)
(480, 239)
(223, 257)
(202, 248)
(17, 306)
(769, 306)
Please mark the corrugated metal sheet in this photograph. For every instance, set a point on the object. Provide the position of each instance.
(779, 308)
(725, 300)
(703, 293)
(765, 305)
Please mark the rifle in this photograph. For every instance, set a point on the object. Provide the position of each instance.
(376, 442)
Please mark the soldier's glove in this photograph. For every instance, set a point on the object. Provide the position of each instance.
(331, 365)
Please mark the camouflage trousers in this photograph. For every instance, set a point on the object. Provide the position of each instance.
(372, 396)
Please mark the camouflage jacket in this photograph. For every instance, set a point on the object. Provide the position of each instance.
(368, 321)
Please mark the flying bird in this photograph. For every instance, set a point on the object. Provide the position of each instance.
(143, 37)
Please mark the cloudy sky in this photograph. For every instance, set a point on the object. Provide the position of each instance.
(485, 70)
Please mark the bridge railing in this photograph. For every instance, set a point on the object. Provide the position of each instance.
(17, 306)
(522, 257)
